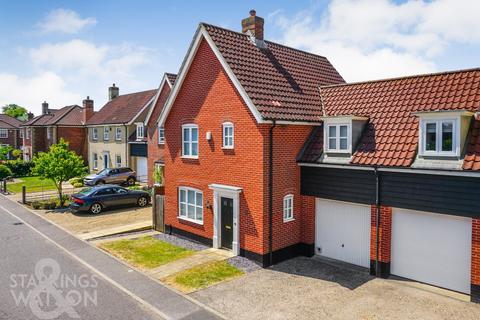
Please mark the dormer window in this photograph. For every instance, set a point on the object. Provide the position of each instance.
(440, 137)
(338, 137)
(140, 131)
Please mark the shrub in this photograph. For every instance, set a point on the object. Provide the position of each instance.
(76, 180)
(78, 184)
(35, 205)
(135, 187)
(19, 167)
(49, 204)
(5, 172)
(17, 153)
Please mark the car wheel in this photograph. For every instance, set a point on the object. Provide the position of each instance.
(96, 208)
(131, 181)
(142, 202)
(100, 182)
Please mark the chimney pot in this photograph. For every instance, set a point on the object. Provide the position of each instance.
(113, 92)
(254, 25)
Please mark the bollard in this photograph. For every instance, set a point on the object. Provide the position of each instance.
(24, 194)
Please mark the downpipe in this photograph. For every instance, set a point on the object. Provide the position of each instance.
(377, 222)
(270, 194)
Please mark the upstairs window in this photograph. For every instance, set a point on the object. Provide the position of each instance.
(3, 133)
(288, 208)
(118, 133)
(140, 131)
(439, 137)
(338, 138)
(106, 133)
(190, 141)
(95, 133)
(227, 135)
(161, 135)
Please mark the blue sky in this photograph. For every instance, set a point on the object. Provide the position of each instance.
(62, 51)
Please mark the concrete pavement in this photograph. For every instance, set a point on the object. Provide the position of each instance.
(123, 293)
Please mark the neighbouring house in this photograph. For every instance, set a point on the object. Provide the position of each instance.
(10, 132)
(155, 133)
(268, 153)
(40, 132)
(116, 133)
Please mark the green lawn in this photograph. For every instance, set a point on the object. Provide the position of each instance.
(146, 252)
(33, 184)
(204, 275)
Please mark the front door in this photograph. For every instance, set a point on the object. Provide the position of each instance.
(105, 161)
(227, 222)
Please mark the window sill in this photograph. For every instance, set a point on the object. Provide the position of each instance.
(161, 143)
(191, 220)
(439, 154)
(227, 148)
(288, 220)
(336, 151)
(189, 157)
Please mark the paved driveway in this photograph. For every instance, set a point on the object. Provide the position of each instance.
(304, 288)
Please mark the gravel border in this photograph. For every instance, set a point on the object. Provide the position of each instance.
(243, 264)
(181, 242)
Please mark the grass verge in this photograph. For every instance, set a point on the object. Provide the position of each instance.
(33, 184)
(203, 276)
(145, 252)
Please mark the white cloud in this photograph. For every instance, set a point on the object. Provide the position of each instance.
(30, 92)
(64, 21)
(368, 39)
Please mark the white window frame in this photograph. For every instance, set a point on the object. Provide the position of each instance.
(161, 135)
(187, 204)
(226, 137)
(118, 133)
(117, 163)
(438, 143)
(28, 133)
(337, 137)
(190, 142)
(95, 134)
(140, 131)
(95, 161)
(4, 133)
(49, 133)
(106, 133)
(288, 208)
(21, 133)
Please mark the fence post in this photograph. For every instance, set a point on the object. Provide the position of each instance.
(24, 194)
(5, 185)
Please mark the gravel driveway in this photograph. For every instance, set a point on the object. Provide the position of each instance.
(304, 288)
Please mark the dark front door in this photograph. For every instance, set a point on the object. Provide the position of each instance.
(227, 222)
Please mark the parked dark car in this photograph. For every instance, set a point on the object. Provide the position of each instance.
(111, 175)
(98, 198)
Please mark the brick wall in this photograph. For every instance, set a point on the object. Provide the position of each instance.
(155, 150)
(76, 137)
(39, 138)
(385, 239)
(308, 220)
(475, 272)
(13, 139)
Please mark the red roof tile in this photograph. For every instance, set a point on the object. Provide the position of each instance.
(282, 82)
(391, 136)
(122, 109)
(472, 156)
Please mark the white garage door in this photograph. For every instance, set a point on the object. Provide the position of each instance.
(142, 169)
(432, 248)
(342, 231)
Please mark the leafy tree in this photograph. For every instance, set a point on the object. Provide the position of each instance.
(59, 165)
(15, 111)
(4, 172)
(158, 175)
(4, 152)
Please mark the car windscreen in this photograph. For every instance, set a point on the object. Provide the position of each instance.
(86, 191)
(103, 172)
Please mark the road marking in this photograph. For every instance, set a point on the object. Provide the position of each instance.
(88, 266)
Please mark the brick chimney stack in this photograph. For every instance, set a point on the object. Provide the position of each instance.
(253, 24)
(30, 116)
(113, 92)
(87, 109)
(44, 107)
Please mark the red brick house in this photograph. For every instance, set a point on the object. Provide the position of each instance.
(53, 124)
(155, 134)
(270, 154)
(238, 115)
(10, 132)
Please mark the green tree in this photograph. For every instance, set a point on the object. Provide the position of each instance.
(59, 165)
(17, 153)
(4, 172)
(15, 111)
(4, 152)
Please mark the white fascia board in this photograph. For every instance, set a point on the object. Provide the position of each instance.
(203, 34)
(334, 119)
(141, 110)
(160, 88)
(442, 113)
(463, 173)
